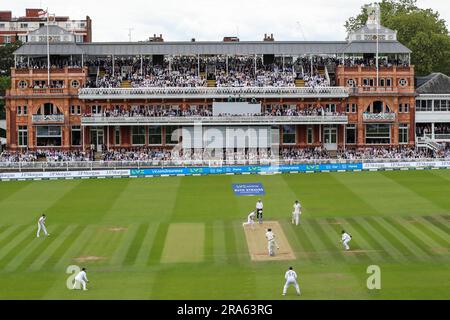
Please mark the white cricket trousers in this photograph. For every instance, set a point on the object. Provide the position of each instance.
(345, 243)
(296, 219)
(271, 247)
(290, 282)
(41, 227)
(82, 282)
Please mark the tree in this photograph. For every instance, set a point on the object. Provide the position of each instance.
(421, 30)
(5, 83)
(7, 57)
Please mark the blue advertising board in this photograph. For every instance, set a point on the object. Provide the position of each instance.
(246, 169)
(248, 189)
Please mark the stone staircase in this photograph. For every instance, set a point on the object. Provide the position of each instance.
(299, 82)
(126, 84)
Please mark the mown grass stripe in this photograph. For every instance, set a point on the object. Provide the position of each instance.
(29, 253)
(316, 243)
(55, 250)
(146, 245)
(208, 245)
(381, 237)
(74, 248)
(412, 240)
(300, 251)
(444, 222)
(333, 247)
(125, 246)
(230, 243)
(372, 253)
(360, 231)
(334, 227)
(428, 243)
(437, 224)
(435, 232)
(158, 244)
(132, 249)
(241, 242)
(401, 239)
(9, 234)
(219, 248)
(16, 245)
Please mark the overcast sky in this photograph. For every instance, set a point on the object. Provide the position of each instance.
(212, 19)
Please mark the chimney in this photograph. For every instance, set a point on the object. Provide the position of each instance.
(5, 15)
(268, 38)
(155, 38)
(230, 39)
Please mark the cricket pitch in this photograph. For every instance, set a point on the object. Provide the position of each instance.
(257, 243)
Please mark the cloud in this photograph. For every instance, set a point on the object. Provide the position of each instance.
(213, 19)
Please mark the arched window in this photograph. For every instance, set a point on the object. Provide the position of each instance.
(48, 109)
(377, 107)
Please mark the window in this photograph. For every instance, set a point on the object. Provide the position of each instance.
(350, 134)
(378, 133)
(382, 82)
(309, 135)
(330, 107)
(22, 137)
(403, 82)
(154, 135)
(48, 136)
(138, 135)
(424, 105)
(79, 38)
(117, 136)
(289, 136)
(75, 110)
(171, 138)
(25, 110)
(75, 84)
(403, 133)
(76, 136)
(388, 82)
(96, 110)
(403, 107)
(23, 25)
(350, 108)
(7, 39)
(23, 39)
(2, 26)
(441, 105)
(351, 82)
(19, 110)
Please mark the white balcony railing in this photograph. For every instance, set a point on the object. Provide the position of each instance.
(37, 118)
(216, 92)
(384, 117)
(236, 120)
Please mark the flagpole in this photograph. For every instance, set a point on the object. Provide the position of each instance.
(377, 23)
(48, 52)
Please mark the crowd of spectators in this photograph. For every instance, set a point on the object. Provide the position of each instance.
(45, 155)
(250, 154)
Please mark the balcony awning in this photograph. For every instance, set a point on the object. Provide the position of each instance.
(31, 49)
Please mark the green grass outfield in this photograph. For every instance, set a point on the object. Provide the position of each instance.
(182, 237)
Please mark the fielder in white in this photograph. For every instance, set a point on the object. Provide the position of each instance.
(81, 278)
(296, 213)
(291, 279)
(345, 239)
(250, 219)
(271, 243)
(41, 226)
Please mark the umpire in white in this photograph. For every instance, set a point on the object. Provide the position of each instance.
(259, 211)
(291, 279)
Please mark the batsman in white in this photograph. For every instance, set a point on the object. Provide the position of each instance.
(250, 219)
(41, 226)
(291, 279)
(345, 239)
(271, 243)
(296, 213)
(81, 278)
